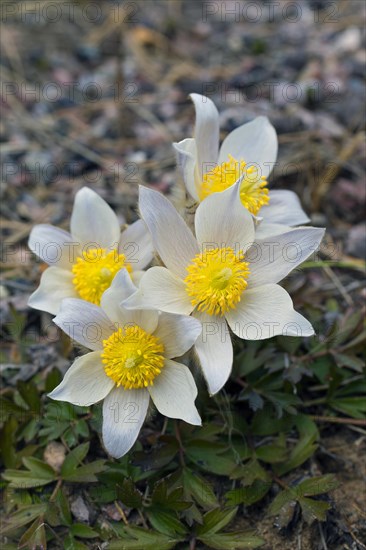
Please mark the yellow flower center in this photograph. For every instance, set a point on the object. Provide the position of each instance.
(94, 272)
(132, 357)
(216, 280)
(253, 190)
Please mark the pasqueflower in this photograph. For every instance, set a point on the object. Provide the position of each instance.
(224, 275)
(84, 262)
(248, 153)
(131, 361)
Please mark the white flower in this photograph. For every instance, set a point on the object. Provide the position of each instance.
(84, 262)
(131, 361)
(250, 150)
(224, 275)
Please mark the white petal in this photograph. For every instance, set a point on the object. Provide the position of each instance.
(174, 392)
(161, 289)
(214, 350)
(136, 245)
(178, 333)
(124, 412)
(284, 207)
(272, 259)
(222, 221)
(85, 383)
(55, 285)
(186, 161)
(84, 322)
(255, 142)
(53, 245)
(267, 311)
(121, 288)
(206, 132)
(264, 230)
(93, 221)
(136, 277)
(171, 236)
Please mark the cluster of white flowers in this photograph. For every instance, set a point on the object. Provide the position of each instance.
(210, 283)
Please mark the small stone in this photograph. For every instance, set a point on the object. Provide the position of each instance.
(54, 455)
(79, 509)
(356, 243)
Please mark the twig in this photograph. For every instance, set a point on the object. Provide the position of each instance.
(181, 448)
(338, 285)
(325, 547)
(55, 491)
(121, 512)
(337, 420)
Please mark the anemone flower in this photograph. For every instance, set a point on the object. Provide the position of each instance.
(224, 276)
(84, 261)
(248, 153)
(131, 362)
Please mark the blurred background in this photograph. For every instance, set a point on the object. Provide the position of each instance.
(94, 93)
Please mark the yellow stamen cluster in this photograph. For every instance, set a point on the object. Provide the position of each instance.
(216, 280)
(94, 272)
(253, 190)
(132, 357)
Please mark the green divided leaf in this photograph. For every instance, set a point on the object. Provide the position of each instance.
(317, 485)
(311, 509)
(22, 517)
(166, 522)
(248, 495)
(34, 537)
(232, 541)
(39, 473)
(83, 531)
(215, 520)
(137, 538)
(200, 489)
(129, 494)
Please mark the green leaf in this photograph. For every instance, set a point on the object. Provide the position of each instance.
(73, 459)
(71, 544)
(29, 392)
(265, 423)
(34, 537)
(317, 485)
(39, 473)
(86, 473)
(200, 489)
(304, 449)
(351, 406)
(215, 520)
(250, 472)
(313, 509)
(53, 379)
(83, 531)
(271, 454)
(129, 494)
(248, 495)
(173, 500)
(38, 467)
(8, 408)
(281, 500)
(212, 457)
(7, 442)
(251, 359)
(22, 517)
(137, 538)
(166, 522)
(351, 361)
(232, 541)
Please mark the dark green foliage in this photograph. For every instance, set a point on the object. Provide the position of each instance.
(187, 483)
